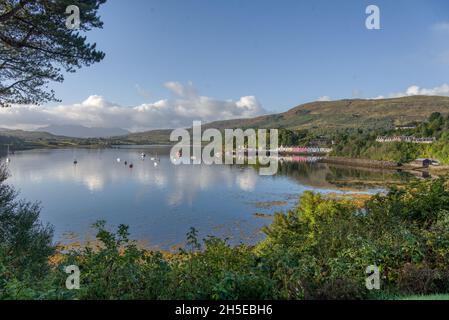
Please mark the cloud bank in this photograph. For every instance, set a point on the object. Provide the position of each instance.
(180, 111)
(415, 90)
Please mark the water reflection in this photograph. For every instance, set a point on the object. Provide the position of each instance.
(161, 203)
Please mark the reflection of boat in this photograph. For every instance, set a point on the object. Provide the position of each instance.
(156, 160)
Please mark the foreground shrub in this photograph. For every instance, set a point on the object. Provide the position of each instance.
(324, 245)
(117, 269)
(25, 245)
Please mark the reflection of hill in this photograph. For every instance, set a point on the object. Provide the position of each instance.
(321, 175)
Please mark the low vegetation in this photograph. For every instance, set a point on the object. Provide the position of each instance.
(362, 143)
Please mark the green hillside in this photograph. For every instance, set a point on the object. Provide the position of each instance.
(29, 135)
(20, 139)
(148, 137)
(331, 115)
(327, 117)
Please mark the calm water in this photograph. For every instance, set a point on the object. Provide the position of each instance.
(161, 203)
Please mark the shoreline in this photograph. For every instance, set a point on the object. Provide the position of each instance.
(344, 161)
(386, 165)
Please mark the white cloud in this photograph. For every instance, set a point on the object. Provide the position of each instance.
(415, 90)
(181, 110)
(324, 98)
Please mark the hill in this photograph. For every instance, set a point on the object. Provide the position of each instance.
(29, 135)
(147, 137)
(328, 116)
(355, 113)
(20, 140)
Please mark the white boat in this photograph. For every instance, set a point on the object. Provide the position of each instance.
(118, 160)
(155, 158)
(8, 160)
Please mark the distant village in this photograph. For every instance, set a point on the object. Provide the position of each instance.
(407, 139)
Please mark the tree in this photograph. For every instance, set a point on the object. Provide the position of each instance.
(36, 46)
(25, 243)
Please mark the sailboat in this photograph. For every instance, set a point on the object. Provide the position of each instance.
(8, 160)
(156, 160)
(75, 161)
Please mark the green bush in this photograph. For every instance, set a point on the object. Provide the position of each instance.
(325, 245)
(25, 246)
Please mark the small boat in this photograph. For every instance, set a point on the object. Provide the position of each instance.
(155, 164)
(75, 162)
(118, 160)
(126, 163)
(131, 166)
(8, 160)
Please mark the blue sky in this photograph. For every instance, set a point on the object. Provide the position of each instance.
(281, 53)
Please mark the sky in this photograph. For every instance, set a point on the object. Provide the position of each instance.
(169, 62)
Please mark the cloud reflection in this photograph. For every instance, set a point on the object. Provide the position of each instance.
(98, 169)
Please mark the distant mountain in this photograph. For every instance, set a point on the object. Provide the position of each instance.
(76, 131)
(328, 116)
